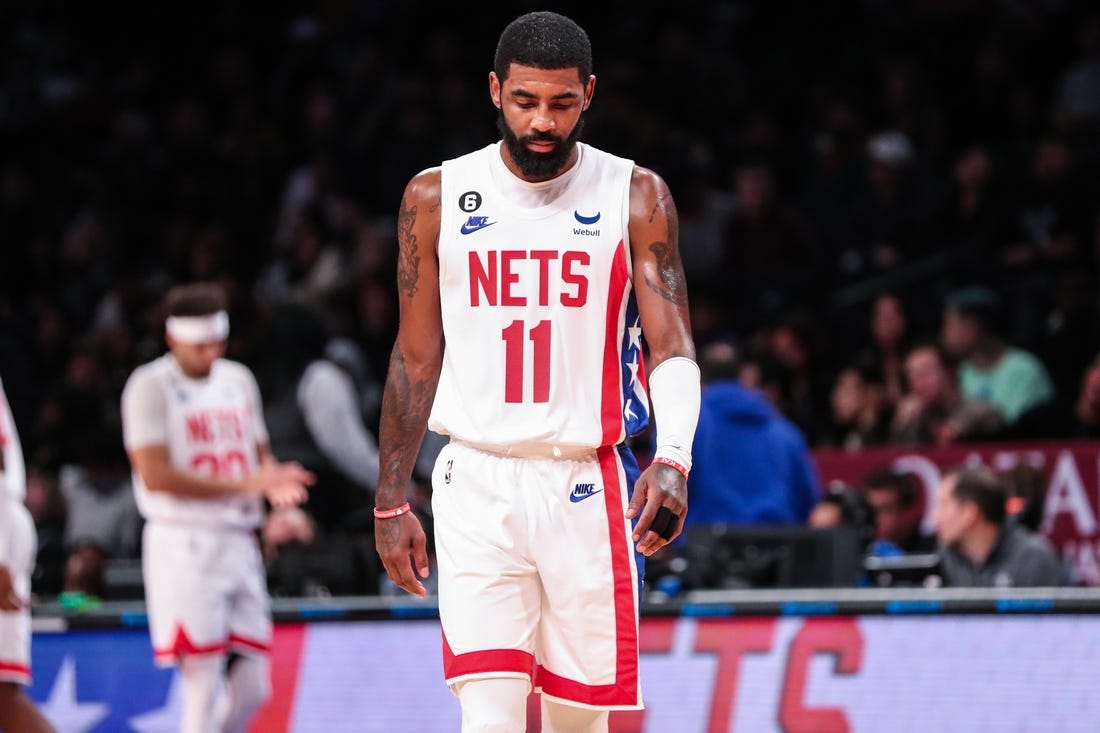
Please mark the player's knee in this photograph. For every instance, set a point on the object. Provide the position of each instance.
(494, 705)
(251, 681)
(558, 718)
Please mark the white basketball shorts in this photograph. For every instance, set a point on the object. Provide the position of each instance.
(205, 591)
(538, 575)
(15, 626)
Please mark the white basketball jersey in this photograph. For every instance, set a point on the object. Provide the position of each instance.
(211, 427)
(13, 474)
(543, 341)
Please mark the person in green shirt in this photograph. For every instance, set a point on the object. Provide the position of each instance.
(992, 370)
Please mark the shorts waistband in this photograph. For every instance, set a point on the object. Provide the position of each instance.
(531, 450)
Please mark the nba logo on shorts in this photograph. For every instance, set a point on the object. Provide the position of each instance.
(447, 476)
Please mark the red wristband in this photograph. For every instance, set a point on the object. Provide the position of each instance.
(669, 462)
(391, 513)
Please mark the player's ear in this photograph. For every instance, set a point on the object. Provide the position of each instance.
(494, 89)
(589, 90)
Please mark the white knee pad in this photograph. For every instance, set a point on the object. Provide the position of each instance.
(495, 705)
(558, 718)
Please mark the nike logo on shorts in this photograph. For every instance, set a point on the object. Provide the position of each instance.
(582, 492)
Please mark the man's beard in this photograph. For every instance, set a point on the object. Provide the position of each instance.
(539, 166)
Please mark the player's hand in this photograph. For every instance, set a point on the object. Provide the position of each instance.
(282, 484)
(403, 547)
(9, 601)
(658, 487)
(285, 525)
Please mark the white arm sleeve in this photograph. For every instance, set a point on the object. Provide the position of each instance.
(327, 398)
(674, 390)
(144, 413)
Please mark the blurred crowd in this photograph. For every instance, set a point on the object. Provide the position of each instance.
(879, 203)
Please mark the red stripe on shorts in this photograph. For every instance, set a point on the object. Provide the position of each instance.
(249, 645)
(183, 645)
(486, 661)
(611, 409)
(624, 690)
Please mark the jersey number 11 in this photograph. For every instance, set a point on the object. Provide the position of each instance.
(513, 361)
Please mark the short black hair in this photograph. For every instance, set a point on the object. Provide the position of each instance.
(544, 40)
(887, 478)
(981, 304)
(982, 486)
(195, 299)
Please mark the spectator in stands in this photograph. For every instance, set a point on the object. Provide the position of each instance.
(1026, 487)
(888, 218)
(102, 519)
(898, 511)
(1087, 409)
(844, 506)
(978, 546)
(992, 370)
(750, 464)
(890, 335)
(313, 416)
(860, 413)
(933, 411)
(770, 254)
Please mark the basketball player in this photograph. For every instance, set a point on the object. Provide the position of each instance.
(528, 272)
(195, 434)
(17, 551)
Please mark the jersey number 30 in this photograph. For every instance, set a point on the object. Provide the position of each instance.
(514, 368)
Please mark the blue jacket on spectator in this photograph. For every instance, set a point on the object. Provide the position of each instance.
(750, 464)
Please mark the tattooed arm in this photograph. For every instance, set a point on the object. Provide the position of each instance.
(411, 381)
(661, 289)
(659, 281)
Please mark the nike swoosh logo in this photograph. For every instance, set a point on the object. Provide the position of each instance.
(577, 499)
(586, 219)
(466, 229)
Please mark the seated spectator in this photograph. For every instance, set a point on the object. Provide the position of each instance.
(751, 465)
(889, 332)
(102, 520)
(1087, 409)
(933, 411)
(844, 506)
(313, 415)
(894, 498)
(1026, 487)
(860, 414)
(979, 546)
(991, 370)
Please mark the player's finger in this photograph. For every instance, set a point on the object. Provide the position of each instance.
(420, 555)
(406, 578)
(645, 519)
(637, 499)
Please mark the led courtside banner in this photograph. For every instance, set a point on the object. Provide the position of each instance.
(1009, 672)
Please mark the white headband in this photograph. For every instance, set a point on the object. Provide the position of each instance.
(194, 330)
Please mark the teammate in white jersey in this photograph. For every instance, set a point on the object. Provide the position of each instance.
(194, 430)
(17, 553)
(528, 273)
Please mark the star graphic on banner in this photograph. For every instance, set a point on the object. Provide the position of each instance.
(635, 332)
(64, 710)
(164, 719)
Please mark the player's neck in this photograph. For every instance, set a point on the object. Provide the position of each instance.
(531, 194)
